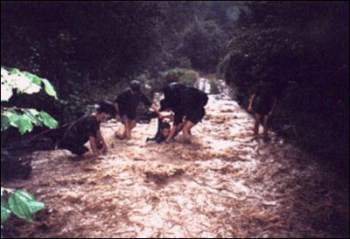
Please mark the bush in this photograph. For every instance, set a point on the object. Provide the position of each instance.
(185, 76)
(14, 81)
(304, 48)
(203, 44)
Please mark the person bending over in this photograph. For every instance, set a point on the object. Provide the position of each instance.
(87, 128)
(188, 104)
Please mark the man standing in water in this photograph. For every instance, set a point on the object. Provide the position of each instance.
(127, 103)
(262, 103)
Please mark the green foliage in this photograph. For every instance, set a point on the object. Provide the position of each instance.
(290, 42)
(22, 82)
(23, 205)
(25, 119)
(304, 48)
(5, 213)
(47, 120)
(184, 76)
(20, 203)
(21, 118)
(49, 88)
(203, 44)
(5, 123)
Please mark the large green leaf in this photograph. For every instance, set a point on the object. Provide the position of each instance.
(5, 122)
(34, 206)
(23, 83)
(23, 205)
(19, 206)
(5, 213)
(35, 79)
(24, 124)
(33, 115)
(14, 71)
(12, 117)
(48, 120)
(49, 88)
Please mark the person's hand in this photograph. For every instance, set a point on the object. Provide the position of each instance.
(104, 149)
(154, 108)
(95, 155)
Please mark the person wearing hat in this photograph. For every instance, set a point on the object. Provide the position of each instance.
(127, 103)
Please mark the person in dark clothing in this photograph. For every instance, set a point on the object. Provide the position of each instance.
(187, 103)
(87, 128)
(127, 102)
(162, 132)
(262, 103)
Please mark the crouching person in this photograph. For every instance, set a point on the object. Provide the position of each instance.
(86, 129)
(188, 104)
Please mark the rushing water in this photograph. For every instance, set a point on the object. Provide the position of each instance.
(224, 184)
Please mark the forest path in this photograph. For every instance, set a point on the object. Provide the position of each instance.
(222, 185)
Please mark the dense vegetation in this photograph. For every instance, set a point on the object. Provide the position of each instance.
(103, 45)
(15, 82)
(304, 48)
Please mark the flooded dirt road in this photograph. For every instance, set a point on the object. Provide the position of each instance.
(222, 185)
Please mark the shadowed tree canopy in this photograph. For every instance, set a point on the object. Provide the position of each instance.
(304, 48)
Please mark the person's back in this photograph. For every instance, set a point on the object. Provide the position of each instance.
(193, 98)
(79, 131)
(181, 97)
(86, 128)
(188, 105)
(265, 95)
(172, 94)
(128, 102)
(262, 103)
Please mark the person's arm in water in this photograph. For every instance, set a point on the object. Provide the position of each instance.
(93, 145)
(120, 100)
(102, 141)
(251, 99)
(172, 133)
(95, 138)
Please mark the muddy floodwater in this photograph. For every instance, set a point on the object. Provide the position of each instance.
(224, 184)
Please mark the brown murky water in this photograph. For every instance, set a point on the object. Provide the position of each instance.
(223, 185)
